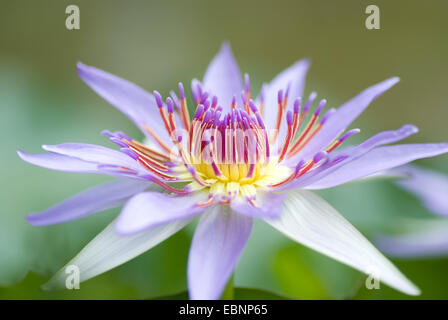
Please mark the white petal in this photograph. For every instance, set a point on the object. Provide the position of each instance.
(108, 250)
(311, 221)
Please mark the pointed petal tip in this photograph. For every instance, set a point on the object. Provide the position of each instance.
(80, 65)
(226, 51)
(410, 128)
(305, 62)
(81, 68)
(32, 219)
(25, 156)
(226, 46)
(391, 81)
(412, 290)
(21, 154)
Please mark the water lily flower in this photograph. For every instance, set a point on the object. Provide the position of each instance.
(424, 237)
(238, 158)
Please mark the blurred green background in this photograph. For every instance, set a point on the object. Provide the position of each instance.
(158, 43)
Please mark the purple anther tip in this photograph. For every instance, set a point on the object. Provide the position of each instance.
(199, 112)
(158, 97)
(348, 134)
(219, 108)
(297, 103)
(208, 115)
(245, 123)
(130, 153)
(181, 91)
(214, 101)
(300, 165)
(217, 116)
(107, 133)
(169, 105)
(179, 138)
(148, 177)
(327, 115)
(289, 117)
(191, 169)
(319, 156)
(310, 101)
(260, 121)
(206, 104)
(321, 105)
(252, 106)
(280, 96)
(204, 97)
(119, 142)
(122, 135)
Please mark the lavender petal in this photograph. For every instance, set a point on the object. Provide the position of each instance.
(99, 198)
(377, 160)
(137, 104)
(294, 76)
(428, 185)
(58, 162)
(344, 116)
(218, 242)
(223, 77)
(150, 209)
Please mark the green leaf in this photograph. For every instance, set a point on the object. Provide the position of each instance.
(295, 277)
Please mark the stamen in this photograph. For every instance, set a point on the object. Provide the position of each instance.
(159, 103)
(196, 177)
(279, 115)
(296, 123)
(347, 135)
(206, 204)
(183, 105)
(164, 185)
(169, 106)
(289, 120)
(156, 138)
(303, 139)
(130, 153)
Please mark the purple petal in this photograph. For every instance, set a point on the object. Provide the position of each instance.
(351, 153)
(218, 242)
(268, 205)
(58, 162)
(430, 186)
(428, 241)
(137, 104)
(223, 77)
(150, 209)
(294, 76)
(93, 200)
(343, 117)
(379, 159)
(95, 153)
